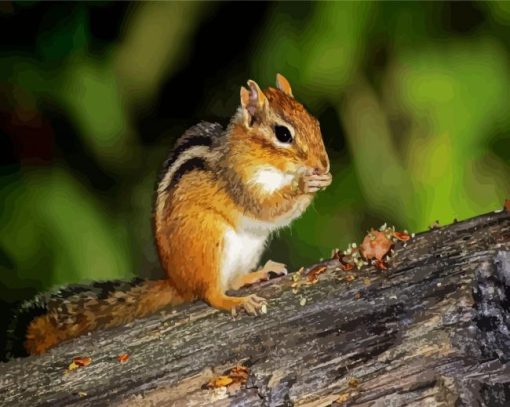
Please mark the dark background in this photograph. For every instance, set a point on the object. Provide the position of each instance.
(412, 100)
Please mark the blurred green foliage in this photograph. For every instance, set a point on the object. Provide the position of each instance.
(411, 99)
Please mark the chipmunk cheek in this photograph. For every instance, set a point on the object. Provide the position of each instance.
(293, 168)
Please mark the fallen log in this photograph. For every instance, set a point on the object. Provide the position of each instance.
(434, 329)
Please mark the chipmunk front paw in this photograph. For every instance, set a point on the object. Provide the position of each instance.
(311, 183)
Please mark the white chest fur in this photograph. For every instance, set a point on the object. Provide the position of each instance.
(271, 179)
(241, 253)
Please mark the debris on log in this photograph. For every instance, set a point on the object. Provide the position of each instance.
(432, 329)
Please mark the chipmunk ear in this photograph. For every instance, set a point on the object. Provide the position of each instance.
(253, 100)
(283, 84)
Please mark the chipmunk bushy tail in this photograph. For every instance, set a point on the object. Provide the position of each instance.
(54, 317)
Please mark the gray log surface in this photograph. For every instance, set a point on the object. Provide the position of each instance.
(432, 330)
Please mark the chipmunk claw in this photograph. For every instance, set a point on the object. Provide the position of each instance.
(271, 266)
(252, 304)
(312, 183)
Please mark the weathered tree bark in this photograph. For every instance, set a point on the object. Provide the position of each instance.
(432, 330)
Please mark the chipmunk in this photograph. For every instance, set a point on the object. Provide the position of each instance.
(219, 196)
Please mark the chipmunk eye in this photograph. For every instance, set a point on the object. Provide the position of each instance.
(283, 134)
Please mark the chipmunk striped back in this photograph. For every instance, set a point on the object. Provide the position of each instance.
(192, 151)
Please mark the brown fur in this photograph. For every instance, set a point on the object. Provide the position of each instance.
(189, 233)
(193, 213)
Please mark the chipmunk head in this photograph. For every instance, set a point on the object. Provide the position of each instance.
(277, 130)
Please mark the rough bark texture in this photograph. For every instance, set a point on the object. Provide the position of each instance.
(432, 330)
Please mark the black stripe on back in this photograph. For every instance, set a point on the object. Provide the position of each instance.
(196, 163)
(191, 142)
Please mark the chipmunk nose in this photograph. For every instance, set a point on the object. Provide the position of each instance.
(323, 168)
(325, 163)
